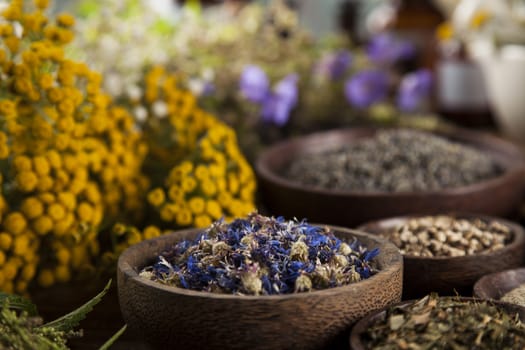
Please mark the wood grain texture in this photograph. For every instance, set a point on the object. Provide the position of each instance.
(360, 327)
(500, 196)
(173, 317)
(451, 275)
(496, 285)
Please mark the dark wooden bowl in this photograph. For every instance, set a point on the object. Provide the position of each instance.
(496, 285)
(171, 317)
(362, 326)
(499, 196)
(451, 275)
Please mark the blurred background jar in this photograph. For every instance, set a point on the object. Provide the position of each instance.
(461, 94)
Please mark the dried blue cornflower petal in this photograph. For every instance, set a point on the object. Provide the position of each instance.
(260, 255)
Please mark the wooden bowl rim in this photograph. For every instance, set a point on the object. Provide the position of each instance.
(517, 241)
(479, 282)
(363, 324)
(465, 136)
(129, 272)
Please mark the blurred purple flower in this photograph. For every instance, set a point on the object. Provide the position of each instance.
(254, 84)
(277, 105)
(386, 49)
(414, 89)
(335, 64)
(366, 88)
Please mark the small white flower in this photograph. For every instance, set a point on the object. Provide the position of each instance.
(160, 109)
(141, 114)
(113, 84)
(134, 92)
(196, 86)
(208, 74)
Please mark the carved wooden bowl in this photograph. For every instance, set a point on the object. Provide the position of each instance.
(171, 317)
(496, 285)
(360, 328)
(451, 275)
(499, 196)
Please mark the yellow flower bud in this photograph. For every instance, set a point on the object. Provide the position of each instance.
(2, 258)
(10, 269)
(22, 163)
(15, 223)
(56, 211)
(63, 226)
(43, 225)
(65, 20)
(156, 197)
(213, 209)
(28, 272)
(184, 217)
(41, 166)
(21, 245)
(42, 4)
(26, 181)
(151, 232)
(46, 278)
(20, 286)
(202, 221)
(85, 212)
(62, 273)
(197, 205)
(189, 184)
(54, 159)
(47, 197)
(68, 200)
(45, 183)
(5, 240)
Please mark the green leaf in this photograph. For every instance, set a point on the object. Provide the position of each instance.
(16, 302)
(111, 340)
(68, 322)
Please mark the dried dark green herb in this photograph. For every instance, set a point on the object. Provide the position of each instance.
(394, 161)
(446, 323)
(22, 328)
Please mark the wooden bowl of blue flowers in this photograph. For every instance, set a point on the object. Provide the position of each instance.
(351, 176)
(256, 283)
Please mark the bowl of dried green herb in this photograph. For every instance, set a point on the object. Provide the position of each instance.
(351, 176)
(508, 285)
(448, 253)
(442, 323)
(256, 282)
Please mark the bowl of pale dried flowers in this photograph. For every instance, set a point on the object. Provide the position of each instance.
(257, 282)
(448, 253)
(351, 176)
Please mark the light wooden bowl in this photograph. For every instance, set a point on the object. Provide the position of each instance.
(451, 275)
(171, 317)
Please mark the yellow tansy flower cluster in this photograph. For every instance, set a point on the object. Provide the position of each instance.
(198, 172)
(208, 177)
(69, 158)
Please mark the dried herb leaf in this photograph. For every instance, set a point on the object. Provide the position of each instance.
(19, 303)
(67, 322)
